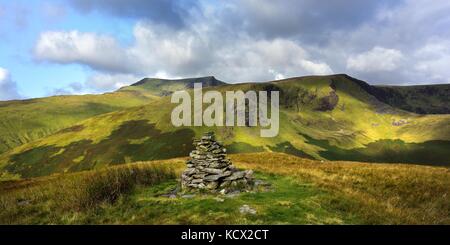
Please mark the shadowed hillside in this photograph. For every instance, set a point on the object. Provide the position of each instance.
(321, 117)
(422, 99)
(22, 121)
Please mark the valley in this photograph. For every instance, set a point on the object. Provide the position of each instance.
(321, 117)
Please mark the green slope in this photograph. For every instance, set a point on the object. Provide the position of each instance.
(22, 121)
(28, 120)
(322, 117)
(422, 99)
(301, 191)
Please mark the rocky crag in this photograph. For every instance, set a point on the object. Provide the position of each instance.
(209, 169)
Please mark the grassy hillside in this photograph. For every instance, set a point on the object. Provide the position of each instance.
(322, 117)
(302, 191)
(421, 99)
(23, 121)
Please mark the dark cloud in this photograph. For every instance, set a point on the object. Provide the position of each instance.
(305, 19)
(168, 12)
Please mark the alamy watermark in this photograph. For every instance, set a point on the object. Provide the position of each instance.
(241, 109)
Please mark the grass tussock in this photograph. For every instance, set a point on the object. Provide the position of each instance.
(54, 195)
(107, 185)
(379, 193)
(304, 192)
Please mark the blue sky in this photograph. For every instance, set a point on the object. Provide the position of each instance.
(81, 46)
(22, 23)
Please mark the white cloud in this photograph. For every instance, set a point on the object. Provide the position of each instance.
(8, 88)
(376, 59)
(98, 83)
(239, 41)
(4, 74)
(433, 60)
(159, 50)
(98, 51)
(276, 75)
(102, 82)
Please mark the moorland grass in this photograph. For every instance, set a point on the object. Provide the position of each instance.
(379, 193)
(287, 202)
(47, 199)
(303, 191)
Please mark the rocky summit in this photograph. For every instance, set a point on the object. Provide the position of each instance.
(209, 169)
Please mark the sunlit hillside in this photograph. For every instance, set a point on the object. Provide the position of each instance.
(301, 191)
(321, 117)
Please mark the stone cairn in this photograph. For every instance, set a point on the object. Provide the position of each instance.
(209, 169)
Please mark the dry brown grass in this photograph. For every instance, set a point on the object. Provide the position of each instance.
(76, 191)
(375, 193)
(381, 193)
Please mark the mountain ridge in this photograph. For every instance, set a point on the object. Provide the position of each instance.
(412, 98)
(206, 81)
(355, 126)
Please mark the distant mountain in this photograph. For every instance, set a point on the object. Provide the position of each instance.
(163, 87)
(187, 82)
(332, 117)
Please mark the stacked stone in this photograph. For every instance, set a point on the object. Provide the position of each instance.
(209, 168)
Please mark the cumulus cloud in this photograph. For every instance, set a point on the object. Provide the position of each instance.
(98, 51)
(102, 82)
(180, 53)
(162, 49)
(376, 59)
(199, 52)
(407, 28)
(8, 88)
(433, 60)
(256, 61)
(98, 82)
(393, 42)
